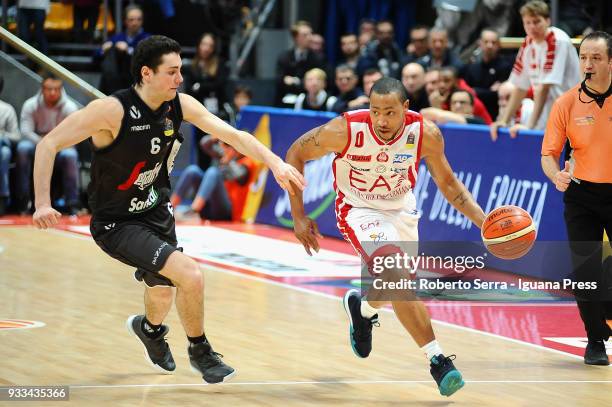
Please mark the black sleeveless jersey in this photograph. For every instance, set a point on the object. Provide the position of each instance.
(130, 176)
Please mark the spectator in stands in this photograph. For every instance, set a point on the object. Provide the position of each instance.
(39, 115)
(521, 118)
(204, 79)
(85, 11)
(206, 75)
(462, 110)
(578, 17)
(33, 12)
(317, 45)
(350, 51)
(449, 83)
(432, 81)
(368, 79)
(488, 71)
(9, 135)
(242, 97)
(220, 190)
(315, 97)
(418, 46)
(382, 53)
(547, 61)
(462, 18)
(367, 32)
(413, 79)
(293, 64)
(349, 96)
(116, 54)
(439, 53)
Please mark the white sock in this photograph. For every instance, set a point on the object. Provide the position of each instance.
(432, 349)
(367, 311)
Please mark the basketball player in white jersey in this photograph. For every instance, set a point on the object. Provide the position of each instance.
(375, 169)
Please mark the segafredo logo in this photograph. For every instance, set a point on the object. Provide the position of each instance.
(135, 113)
(320, 191)
(146, 178)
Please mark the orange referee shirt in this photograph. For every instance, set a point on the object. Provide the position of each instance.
(589, 129)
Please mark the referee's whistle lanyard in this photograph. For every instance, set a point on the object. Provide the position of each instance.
(599, 98)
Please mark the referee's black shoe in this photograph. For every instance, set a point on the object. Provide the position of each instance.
(205, 361)
(595, 354)
(156, 350)
(360, 327)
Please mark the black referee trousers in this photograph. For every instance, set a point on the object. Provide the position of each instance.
(588, 211)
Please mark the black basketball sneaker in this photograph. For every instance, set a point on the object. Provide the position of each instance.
(360, 328)
(208, 363)
(156, 351)
(445, 374)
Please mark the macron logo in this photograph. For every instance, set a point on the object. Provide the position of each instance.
(141, 128)
(134, 112)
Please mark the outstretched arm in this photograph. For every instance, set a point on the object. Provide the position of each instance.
(245, 143)
(316, 143)
(442, 116)
(453, 190)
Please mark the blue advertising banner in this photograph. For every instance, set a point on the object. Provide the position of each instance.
(505, 172)
(285, 126)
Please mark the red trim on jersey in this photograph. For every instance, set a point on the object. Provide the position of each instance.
(518, 62)
(133, 176)
(551, 43)
(411, 176)
(347, 232)
(420, 142)
(378, 141)
(362, 116)
(348, 131)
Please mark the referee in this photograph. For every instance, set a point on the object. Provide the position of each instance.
(584, 116)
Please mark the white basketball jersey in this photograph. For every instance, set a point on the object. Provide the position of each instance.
(372, 173)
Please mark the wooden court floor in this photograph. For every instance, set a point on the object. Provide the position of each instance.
(289, 347)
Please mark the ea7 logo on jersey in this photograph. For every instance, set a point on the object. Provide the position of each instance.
(401, 158)
(135, 113)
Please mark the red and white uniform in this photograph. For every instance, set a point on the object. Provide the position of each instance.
(373, 180)
(553, 61)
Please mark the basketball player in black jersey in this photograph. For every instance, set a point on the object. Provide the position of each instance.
(135, 138)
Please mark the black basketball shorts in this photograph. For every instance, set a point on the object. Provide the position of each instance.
(144, 243)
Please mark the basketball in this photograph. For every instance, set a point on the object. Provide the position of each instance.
(508, 232)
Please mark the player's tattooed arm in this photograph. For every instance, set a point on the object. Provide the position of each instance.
(318, 142)
(432, 150)
(328, 138)
(311, 137)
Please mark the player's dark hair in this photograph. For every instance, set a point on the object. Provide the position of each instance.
(48, 75)
(596, 35)
(149, 52)
(386, 85)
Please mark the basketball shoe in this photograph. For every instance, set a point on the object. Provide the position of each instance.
(208, 363)
(595, 354)
(360, 327)
(445, 374)
(156, 351)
